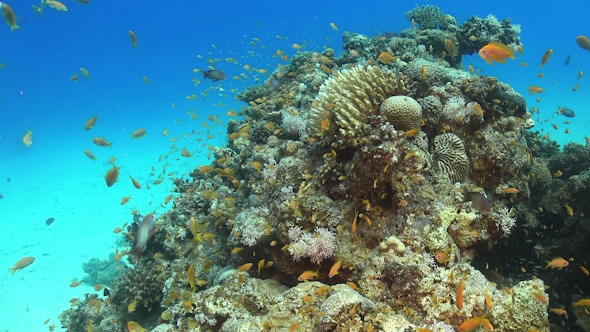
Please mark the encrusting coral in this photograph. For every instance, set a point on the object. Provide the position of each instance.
(329, 181)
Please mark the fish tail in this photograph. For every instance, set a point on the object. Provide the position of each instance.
(205, 73)
(15, 27)
(12, 269)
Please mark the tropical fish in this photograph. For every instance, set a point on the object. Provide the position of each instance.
(139, 133)
(28, 138)
(451, 48)
(9, 16)
(459, 295)
(386, 58)
(191, 277)
(334, 270)
(133, 38)
(85, 72)
(557, 263)
(214, 74)
(49, 221)
(55, 5)
(535, 89)
(245, 267)
(74, 78)
(582, 41)
(101, 142)
(125, 200)
(308, 275)
(546, 56)
(478, 201)
(22, 263)
(143, 234)
(84, 2)
(334, 26)
(496, 51)
(91, 122)
(566, 112)
(582, 303)
(567, 60)
(89, 154)
(112, 176)
(135, 327)
(146, 80)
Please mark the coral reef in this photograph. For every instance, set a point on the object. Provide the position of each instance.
(349, 173)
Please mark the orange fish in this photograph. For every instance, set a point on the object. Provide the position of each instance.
(558, 311)
(535, 89)
(91, 122)
(496, 51)
(510, 190)
(470, 324)
(334, 270)
(28, 138)
(386, 58)
(112, 176)
(557, 263)
(245, 267)
(582, 303)
(134, 326)
(546, 57)
(75, 283)
(308, 275)
(125, 200)
(442, 258)
(540, 297)
(459, 295)
(22, 263)
(136, 184)
(570, 211)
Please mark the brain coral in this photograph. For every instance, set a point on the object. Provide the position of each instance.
(451, 157)
(402, 112)
(348, 98)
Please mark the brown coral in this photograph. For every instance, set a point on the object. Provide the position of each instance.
(348, 98)
(451, 157)
(402, 112)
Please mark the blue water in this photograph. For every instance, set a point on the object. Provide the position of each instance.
(53, 178)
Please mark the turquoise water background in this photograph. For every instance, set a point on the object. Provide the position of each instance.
(53, 178)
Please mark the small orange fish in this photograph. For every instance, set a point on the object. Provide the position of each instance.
(245, 267)
(496, 51)
(136, 184)
(125, 200)
(386, 58)
(459, 295)
(352, 285)
(22, 263)
(294, 327)
(540, 297)
(558, 311)
(584, 270)
(308, 275)
(510, 190)
(535, 89)
(325, 124)
(334, 270)
(442, 258)
(470, 324)
(412, 132)
(75, 283)
(488, 299)
(135, 327)
(570, 211)
(557, 263)
(582, 303)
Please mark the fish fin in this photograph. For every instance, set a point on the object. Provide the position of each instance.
(501, 60)
(16, 27)
(489, 61)
(12, 269)
(511, 55)
(205, 73)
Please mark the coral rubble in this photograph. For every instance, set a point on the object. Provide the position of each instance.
(350, 171)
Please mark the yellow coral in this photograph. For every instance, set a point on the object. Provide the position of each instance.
(348, 98)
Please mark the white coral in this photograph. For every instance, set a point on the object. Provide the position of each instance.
(317, 246)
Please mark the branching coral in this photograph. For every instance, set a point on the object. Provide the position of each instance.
(451, 157)
(351, 96)
(426, 16)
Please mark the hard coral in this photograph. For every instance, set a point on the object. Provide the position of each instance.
(402, 112)
(426, 16)
(351, 96)
(451, 157)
